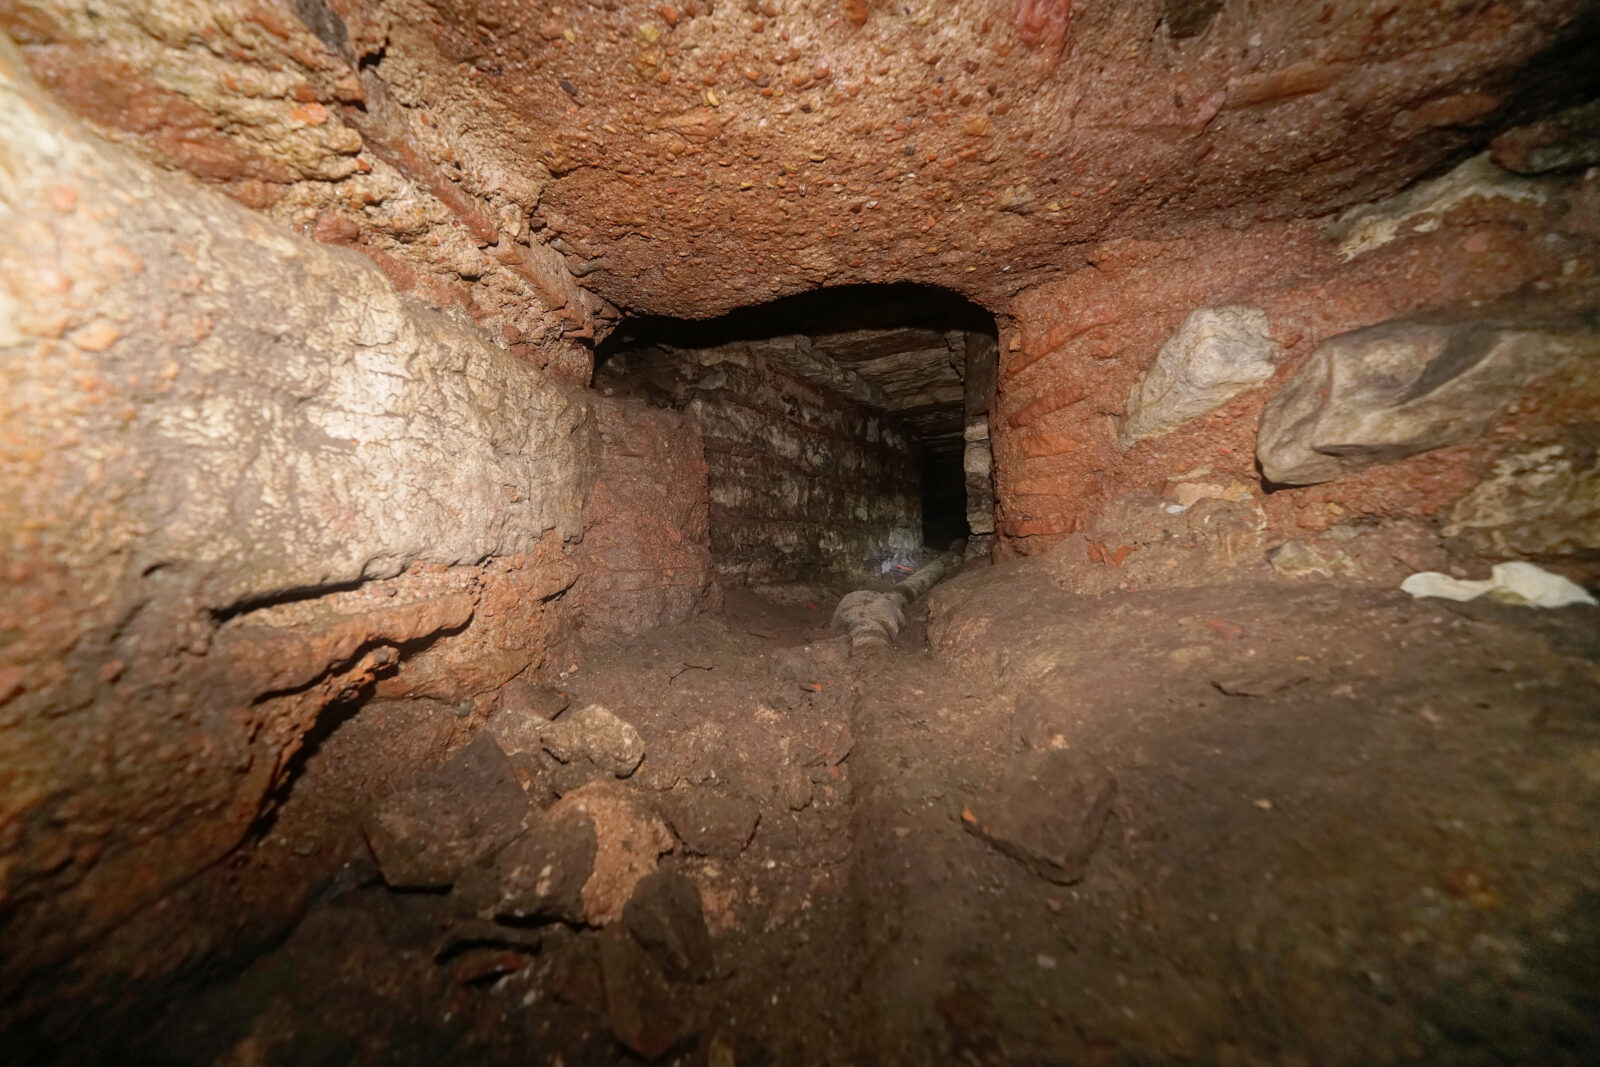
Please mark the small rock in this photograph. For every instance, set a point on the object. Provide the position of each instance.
(421, 838)
(1049, 814)
(575, 975)
(813, 664)
(484, 964)
(1298, 559)
(543, 872)
(1216, 354)
(593, 733)
(710, 824)
(1566, 140)
(564, 778)
(646, 1012)
(1188, 494)
(1039, 718)
(525, 708)
(629, 841)
(482, 774)
(794, 788)
(472, 805)
(534, 776)
(95, 337)
(837, 749)
(667, 918)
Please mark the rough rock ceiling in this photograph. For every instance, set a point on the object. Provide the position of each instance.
(692, 157)
(919, 372)
(706, 155)
(899, 348)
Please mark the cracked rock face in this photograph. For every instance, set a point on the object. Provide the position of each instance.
(244, 479)
(1378, 395)
(287, 383)
(694, 157)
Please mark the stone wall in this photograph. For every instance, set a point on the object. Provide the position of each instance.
(1094, 372)
(645, 557)
(977, 460)
(802, 478)
(241, 479)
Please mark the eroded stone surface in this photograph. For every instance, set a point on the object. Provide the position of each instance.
(244, 479)
(711, 823)
(821, 145)
(424, 837)
(251, 482)
(593, 734)
(1216, 354)
(1568, 139)
(666, 917)
(629, 840)
(648, 1014)
(1538, 503)
(1391, 391)
(1076, 347)
(646, 549)
(541, 874)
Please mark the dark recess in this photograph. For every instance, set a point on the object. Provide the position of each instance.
(848, 307)
(944, 498)
(831, 311)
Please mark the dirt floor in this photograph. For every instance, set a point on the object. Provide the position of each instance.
(1268, 821)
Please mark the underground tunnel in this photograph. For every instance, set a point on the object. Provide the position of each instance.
(838, 427)
(747, 532)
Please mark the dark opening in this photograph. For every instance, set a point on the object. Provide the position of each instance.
(836, 423)
(944, 498)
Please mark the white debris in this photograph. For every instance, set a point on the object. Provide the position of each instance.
(1216, 354)
(1361, 229)
(1512, 583)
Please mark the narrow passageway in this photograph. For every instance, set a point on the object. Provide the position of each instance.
(1038, 826)
(799, 532)
(1147, 799)
(838, 427)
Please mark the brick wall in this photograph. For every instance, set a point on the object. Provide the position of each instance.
(802, 479)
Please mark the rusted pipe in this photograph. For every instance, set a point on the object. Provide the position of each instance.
(872, 618)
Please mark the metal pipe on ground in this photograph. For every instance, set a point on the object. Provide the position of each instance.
(872, 618)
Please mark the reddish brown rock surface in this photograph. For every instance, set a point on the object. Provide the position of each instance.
(1081, 343)
(692, 158)
(265, 458)
(1092, 171)
(246, 482)
(646, 553)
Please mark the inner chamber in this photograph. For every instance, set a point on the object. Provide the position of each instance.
(845, 432)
